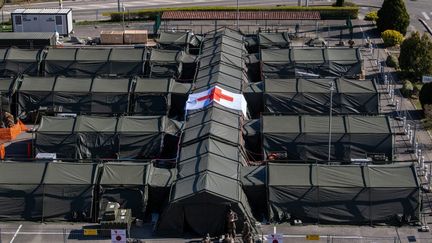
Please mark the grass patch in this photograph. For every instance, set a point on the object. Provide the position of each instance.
(427, 124)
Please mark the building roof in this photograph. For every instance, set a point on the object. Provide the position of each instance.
(243, 15)
(26, 35)
(42, 11)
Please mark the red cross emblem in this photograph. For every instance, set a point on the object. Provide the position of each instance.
(216, 94)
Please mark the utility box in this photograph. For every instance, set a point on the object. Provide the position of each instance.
(43, 20)
(135, 36)
(111, 37)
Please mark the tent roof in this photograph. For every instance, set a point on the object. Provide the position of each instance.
(129, 55)
(124, 174)
(212, 60)
(160, 55)
(21, 172)
(208, 162)
(140, 124)
(209, 145)
(174, 38)
(311, 55)
(3, 53)
(84, 54)
(214, 114)
(341, 175)
(23, 55)
(225, 187)
(274, 39)
(37, 83)
(6, 84)
(318, 86)
(213, 129)
(111, 85)
(73, 84)
(59, 173)
(125, 124)
(61, 54)
(314, 124)
(56, 124)
(145, 85)
(95, 124)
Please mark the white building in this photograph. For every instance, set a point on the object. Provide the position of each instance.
(43, 20)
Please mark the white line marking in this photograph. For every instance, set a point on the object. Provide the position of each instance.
(16, 233)
(426, 16)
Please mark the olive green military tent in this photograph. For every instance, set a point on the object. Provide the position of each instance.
(22, 61)
(312, 96)
(86, 137)
(306, 137)
(75, 95)
(126, 184)
(46, 191)
(274, 40)
(159, 96)
(177, 40)
(343, 194)
(90, 62)
(311, 62)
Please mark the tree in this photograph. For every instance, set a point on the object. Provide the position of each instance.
(393, 15)
(416, 55)
(340, 3)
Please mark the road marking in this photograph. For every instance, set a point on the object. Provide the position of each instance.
(16, 233)
(426, 16)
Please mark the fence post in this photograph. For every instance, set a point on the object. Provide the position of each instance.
(64, 236)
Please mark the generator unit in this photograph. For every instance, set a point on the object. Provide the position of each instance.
(43, 20)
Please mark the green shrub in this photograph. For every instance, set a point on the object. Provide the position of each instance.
(393, 15)
(416, 55)
(327, 12)
(407, 88)
(392, 61)
(425, 95)
(372, 16)
(392, 37)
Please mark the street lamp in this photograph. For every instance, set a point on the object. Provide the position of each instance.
(332, 88)
(238, 15)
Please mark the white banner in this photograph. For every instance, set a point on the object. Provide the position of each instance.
(225, 98)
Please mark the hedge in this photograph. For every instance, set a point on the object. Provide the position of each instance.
(325, 11)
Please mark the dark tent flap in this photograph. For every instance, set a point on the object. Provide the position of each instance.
(252, 176)
(61, 54)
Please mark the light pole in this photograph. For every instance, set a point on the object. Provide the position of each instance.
(332, 88)
(238, 16)
(123, 12)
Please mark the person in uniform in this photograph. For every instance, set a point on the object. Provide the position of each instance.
(246, 233)
(231, 223)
